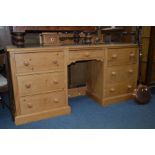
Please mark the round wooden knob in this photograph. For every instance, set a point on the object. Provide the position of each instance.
(129, 86)
(113, 73)
(130, 71)
(55, 81)
(114, 56)
(26, 63)
(112, 89)
(132, 54)
(28, 85)
(55, 62)
(52, 40)
(56, 100)
(87, 54)
(29, 105)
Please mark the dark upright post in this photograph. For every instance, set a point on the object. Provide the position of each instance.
(18, 39)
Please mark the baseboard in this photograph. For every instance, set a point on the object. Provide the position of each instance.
(97, 99)
(116, 99)
(22, 119)
(110, 100)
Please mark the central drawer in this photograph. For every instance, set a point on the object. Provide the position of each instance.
(40, 83)
(42, 102)
(86, 54)
(40, 61)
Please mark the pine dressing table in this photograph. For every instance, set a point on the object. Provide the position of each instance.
(40, 78)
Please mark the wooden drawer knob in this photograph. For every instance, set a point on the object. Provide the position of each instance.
(52, 40)
(114, 56)
(26, 63)
(55, 62)
(129, 86)
(132, 54)
(56, 100)
(55, 81)
(113, 73)
(87, 54)
(29, 105)
(112, 89)
(28, 85)
(130, 71)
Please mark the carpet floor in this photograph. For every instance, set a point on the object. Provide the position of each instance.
(87, 114)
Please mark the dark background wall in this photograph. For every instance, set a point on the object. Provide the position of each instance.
(5, 36)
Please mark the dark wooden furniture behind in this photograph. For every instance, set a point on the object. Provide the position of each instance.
(18, 32)
(150, 74)
(52, 28)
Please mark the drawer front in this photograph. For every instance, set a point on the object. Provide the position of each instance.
(40, 83)
(85, 55)
(121, 73)
(35, 62)
(42, 102)
(122, 56)
(118, 89)
(49, 39)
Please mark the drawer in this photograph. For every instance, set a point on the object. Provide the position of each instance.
(49, 38)
(85, 55)
(122, 56)
(35, 62)
(121, 73)
(40, 83)
(42, 102)
(118, 89)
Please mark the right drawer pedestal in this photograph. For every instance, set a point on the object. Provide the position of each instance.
(121, 71)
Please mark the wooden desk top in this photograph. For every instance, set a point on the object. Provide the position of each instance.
(71, 47)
